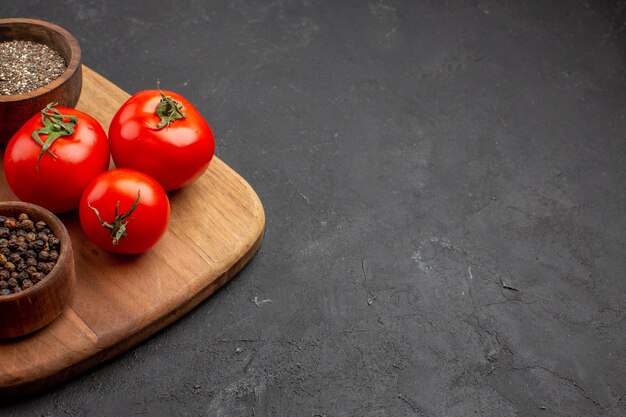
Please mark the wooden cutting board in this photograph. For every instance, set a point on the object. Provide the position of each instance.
(216, 226)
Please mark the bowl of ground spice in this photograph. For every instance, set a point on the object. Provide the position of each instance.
(36, 268)
(40, 63)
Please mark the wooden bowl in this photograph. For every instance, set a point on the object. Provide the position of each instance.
(15, 110)
(24, 312)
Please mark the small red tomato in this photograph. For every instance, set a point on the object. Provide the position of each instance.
(53, 157)
(162, 134)
(124, 211)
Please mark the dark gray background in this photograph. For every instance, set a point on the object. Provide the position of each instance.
(411, 156)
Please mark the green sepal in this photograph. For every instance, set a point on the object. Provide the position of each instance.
(118, 227)
(168, 110)
(55, 127)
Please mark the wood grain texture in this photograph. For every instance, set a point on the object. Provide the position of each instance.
(216, 226)
(15, 110)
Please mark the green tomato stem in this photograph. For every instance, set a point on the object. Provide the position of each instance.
(55, 126)
(118, 227)
(168, 109)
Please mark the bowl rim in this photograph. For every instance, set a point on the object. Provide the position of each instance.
(65, 246)
(72, 66)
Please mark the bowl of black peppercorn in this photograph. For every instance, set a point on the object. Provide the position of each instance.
(36, 268)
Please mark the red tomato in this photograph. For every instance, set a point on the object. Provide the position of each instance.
(124, 211)
(56, 178)
(162, 134)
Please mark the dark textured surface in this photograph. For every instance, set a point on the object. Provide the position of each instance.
(444, 185)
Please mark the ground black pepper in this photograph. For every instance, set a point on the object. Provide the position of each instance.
(28, 252)
(26, 66)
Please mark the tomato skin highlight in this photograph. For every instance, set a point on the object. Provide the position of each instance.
(175, 155)
(144, 227)
(56, 184)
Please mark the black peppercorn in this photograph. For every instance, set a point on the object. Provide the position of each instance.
(37, 245)
(39, 226)
(13, 282)
(10, 222)
(5, 291)
(42, 236)
(25, 224)
(54, 242)
(13, 243)
(43, 255)
(35, 277)
(3, 284)
(44, 267)
(9, 266)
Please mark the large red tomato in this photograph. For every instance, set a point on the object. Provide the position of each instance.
(162, 134)
(124, 211)
(53, 157)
